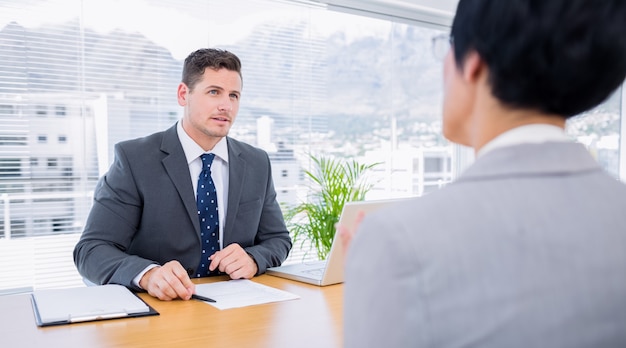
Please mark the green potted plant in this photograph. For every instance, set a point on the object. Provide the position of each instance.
(333, 183)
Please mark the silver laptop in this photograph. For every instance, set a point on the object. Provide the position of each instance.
(330, 271)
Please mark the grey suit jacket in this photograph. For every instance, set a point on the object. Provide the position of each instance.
(526, 249)
(144, 211)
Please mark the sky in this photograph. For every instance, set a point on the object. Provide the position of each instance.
(183, 31)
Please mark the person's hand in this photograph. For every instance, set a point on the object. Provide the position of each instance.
(347, 234)
(234, 261)
(168, 282)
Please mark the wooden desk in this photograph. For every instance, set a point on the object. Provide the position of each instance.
(314, 320)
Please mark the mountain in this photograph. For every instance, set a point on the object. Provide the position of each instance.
(328, 83)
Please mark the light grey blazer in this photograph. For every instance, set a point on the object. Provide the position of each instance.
(144, 211)
(526, 249)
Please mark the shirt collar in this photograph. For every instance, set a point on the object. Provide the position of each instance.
(532, 133)
(193, 150)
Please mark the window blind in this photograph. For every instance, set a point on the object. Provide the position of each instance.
(78, 78)
(73, 86)
(347, 79)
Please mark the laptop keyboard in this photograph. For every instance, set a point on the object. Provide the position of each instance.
(316, 272)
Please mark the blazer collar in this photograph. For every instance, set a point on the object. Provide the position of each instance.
(177, 168)
(237, 167)
(549, 158)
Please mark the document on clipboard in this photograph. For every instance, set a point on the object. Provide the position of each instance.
(74, 305)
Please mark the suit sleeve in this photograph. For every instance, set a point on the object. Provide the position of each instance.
(100, 254)
(272, 242)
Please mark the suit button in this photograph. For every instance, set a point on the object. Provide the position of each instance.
(190, 271)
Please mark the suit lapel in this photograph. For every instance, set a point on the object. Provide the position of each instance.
(177, 169)
(236, 174)
(175, 164)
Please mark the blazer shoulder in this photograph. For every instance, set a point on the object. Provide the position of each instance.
(240, 148)
(149, 143)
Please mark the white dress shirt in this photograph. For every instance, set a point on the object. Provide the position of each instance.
(219, 170)
(532, 133)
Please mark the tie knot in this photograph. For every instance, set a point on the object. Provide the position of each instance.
(207, 159)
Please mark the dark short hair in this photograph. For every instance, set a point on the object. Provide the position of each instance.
(556, 56)
(211, 58)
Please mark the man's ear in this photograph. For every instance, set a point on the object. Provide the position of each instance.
(181, 94)
(474, 67)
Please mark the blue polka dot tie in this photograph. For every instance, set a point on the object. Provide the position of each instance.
(208, 215)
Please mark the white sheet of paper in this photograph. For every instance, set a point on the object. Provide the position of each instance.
(241, 293)
(87, 303)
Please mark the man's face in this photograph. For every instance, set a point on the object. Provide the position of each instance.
(211, 106)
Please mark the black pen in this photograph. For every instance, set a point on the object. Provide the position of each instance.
(202, 298)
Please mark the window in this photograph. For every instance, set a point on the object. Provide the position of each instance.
(6, 110)
(316, 80)
(433, 164)
(59, 110)
(11, 140)
(10, 167)
(600, 130)
(41, 110)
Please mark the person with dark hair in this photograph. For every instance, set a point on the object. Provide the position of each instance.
(527, 248)
(189, 201)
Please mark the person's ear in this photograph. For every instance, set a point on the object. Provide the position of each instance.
(474, 67)
(182, 93)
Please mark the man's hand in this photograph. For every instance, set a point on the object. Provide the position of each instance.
(235, 262)
(168, 282)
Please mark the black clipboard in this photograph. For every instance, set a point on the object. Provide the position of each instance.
(92, 303)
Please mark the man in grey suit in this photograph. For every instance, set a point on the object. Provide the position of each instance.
(144, 229)
(528, 247)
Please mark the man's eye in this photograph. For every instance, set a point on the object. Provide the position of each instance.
(234, 96)
(213, 91)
